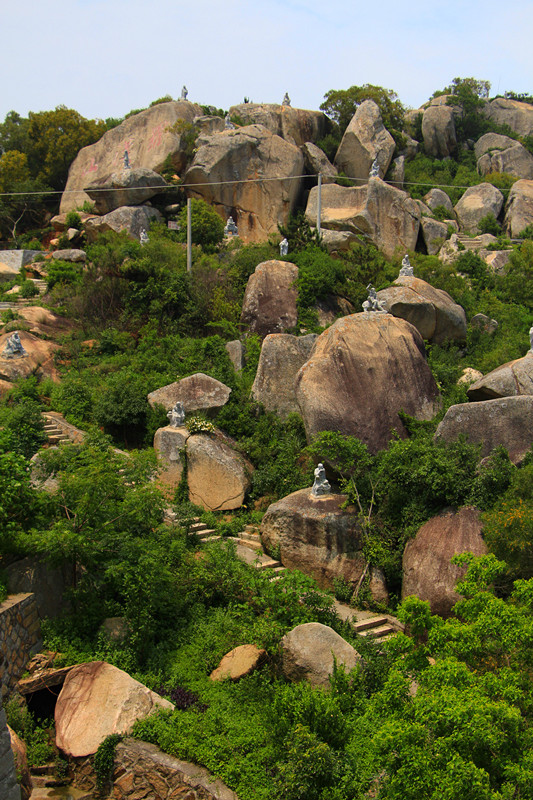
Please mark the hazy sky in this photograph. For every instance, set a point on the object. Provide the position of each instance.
(105, 57)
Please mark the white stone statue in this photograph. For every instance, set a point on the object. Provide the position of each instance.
(321, 484)
(13, 347)
(228, 124)
(126, 159)
(184, 93)
(143, 238)
(373, 303)
(283, 247)
(231, 228)
(176, 415)
(374, 169)
(286, 100)
(406, 270)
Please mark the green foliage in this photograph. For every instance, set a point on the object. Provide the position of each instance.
(318, 275)
(310, 770)
(73, 220)
(199, 424)
(63, 272)
(489, 224)
(207, 227)
(341, 104)
(104, 760)
(36, 737)
(299, 234)
(28, 289)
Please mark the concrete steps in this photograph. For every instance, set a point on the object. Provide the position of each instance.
(54, 433)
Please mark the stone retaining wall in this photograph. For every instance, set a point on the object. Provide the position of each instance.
(20, 637)
(9, 788)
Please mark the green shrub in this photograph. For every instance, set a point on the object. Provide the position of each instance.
(63, 272)
(489, 224)
(28, 289)
(73, 220)
(207, 228)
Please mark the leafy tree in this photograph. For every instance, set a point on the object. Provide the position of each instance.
(341, 104)
(207, 227)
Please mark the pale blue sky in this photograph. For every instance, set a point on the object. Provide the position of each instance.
(105, 57)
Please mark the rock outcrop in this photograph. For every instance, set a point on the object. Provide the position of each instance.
(518, 116)
(169, 445)
(269, 304)
(317, 163)
(224, 170)
(296, 125)
(506, 421)
(436, 197)
(476, 203)
(315, 535)
(198, 392)
(238, 663)
(364, 369)
(386, 215)
(427, 569)
(218, 476)
(281, 357)
(365, 139)
(434, 234)
(97, 700)
(310, 650)
(39, 358)
(519, 208)
(438, 131)
(432, 311)
(496, 153)
(126, 187)
(510, 380)
(132, 219)
(149, 138)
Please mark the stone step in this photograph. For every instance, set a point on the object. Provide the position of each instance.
(379, 633)
(252, 529)
(256, 559)
(47, 780)
(212, 539)
(208, 533)
(370, 622)
(249, 536)
(196, 527)
(60, 793)
(253, 545)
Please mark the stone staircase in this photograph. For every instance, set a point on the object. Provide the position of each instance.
(41, 286)
(54, 432)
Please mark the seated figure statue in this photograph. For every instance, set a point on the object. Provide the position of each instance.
(406, 270)
(176, 415)
(283, 247)
(13, 347)
(321, 485)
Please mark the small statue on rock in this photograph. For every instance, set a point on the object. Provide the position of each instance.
(176, 415)
(406, 270)
(231, 228)
(184, 93)
(286, 100)
(373, 303)
(283, 247)
(14, 348)
(126, 159)
(321, 485)
(228, 124)
(374, 169)
(143, 238)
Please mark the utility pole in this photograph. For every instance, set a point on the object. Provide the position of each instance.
(319, 204)
(189, 238)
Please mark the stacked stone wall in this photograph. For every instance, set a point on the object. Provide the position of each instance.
(20, 637)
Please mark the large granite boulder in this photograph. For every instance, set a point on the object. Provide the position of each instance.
(365, 139)
(13, 260)
(126, 187)
(43, 322)
(296, 125)
(148, 137)
(364, 369)
(310, 651)
(438, 131)
(434, 234)
(39, 358)
(496, 153)
(169, 445)
(73, 255)
(269, 304)
(432, 311)
(506, 421)
(518, 116)
(519, 209)
(317, 163)
(315, 535)
(388, 216)
(427, 569)
(223, 171)
(509, 380)
(437, 197)
(198, 392)
(218, 476)
(476, 203)
(338, 241)
(281, 357)
(132, 219)
(97, 700)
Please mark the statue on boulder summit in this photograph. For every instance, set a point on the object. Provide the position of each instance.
(14, 348)
(406, 270)
(374, 169)
(321, 485)
(373, 303)
(184, 93)
(176, 415)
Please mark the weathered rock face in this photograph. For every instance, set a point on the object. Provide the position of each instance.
(169, 445)
(496, 260)
(44, 322)
(21, 763)
(432, 311)
(436, 197)
(309, 652)
(97, 700)
(126, 187)
(364, 140)
(198, 392)
(208, 125)
(235, 351)
(73, 255)
(450, 250)
(13, 260)
(269, 304)
(427, 569)
(469, 376)
(316, 536)
(388, 216)
(438, 131)
(518, 116)
(242, 155)
(146, 136)
(238, 663)
(434, 233)
(281, 357)
(519, 210)
(510, 380)
(338, 241)
(397, 171)
(364, 369)
(506, 421)
(317, 163)
(496, 153)
(218, 476)
(476, 203)
(39, 358)
(8, 777)
(132, 219)
(47, 583)
(296, 125)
